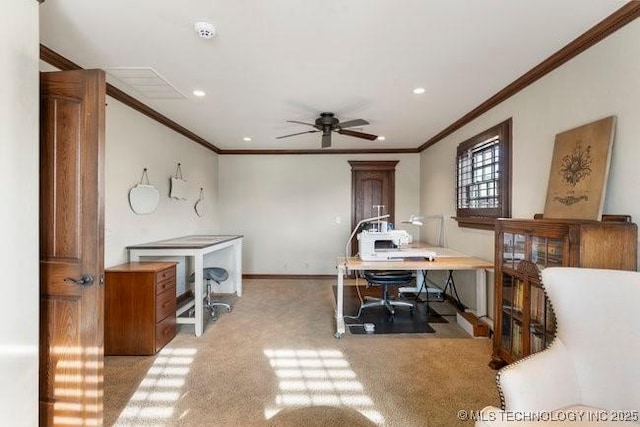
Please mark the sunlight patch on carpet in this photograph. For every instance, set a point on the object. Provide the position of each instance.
(154, 400)
(309, 377)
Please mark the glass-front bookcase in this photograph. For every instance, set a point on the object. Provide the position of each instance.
(524, 321)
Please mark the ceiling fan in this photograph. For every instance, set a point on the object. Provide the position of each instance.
(327, 123)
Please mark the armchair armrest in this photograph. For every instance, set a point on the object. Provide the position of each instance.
(543, 381)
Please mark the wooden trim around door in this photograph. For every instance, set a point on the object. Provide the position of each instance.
(364, 165)
(383, 165)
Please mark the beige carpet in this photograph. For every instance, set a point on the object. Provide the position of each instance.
(273, 361)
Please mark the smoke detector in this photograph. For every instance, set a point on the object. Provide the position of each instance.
(205, 30)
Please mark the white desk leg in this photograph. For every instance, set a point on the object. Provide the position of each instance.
(340, 327)
(237, 249)
(415, 289)
(199, 294)
(481, 292)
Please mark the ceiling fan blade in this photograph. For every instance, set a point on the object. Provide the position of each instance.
(352, 123)
(294, 134)
(362, 135)
(326, 140)
(301, 123)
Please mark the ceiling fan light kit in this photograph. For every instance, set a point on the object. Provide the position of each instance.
(327, 123)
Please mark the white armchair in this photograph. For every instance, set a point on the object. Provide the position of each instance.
(593, 365)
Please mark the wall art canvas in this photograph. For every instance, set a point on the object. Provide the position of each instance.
(579, 171)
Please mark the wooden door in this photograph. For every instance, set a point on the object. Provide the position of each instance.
(72, 119)
(372, 184)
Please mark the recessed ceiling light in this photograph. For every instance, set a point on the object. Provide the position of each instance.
(381, 138)
(246, 138)
(418, 90)
(199, 93)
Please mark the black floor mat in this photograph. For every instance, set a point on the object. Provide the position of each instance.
(404, 321)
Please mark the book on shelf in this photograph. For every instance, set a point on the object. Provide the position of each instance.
(517, 339)
(538, 305)
(537, 342)
(554, 248)
(518, 296)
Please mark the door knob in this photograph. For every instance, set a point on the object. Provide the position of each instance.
(85, 280)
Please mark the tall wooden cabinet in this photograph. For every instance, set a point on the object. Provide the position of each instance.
(524, 320)
(140, 307)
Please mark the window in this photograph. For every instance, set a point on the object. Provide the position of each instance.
(483, 177)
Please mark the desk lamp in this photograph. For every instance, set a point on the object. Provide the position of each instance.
(418, 220)
(414, 220)
(355, 230)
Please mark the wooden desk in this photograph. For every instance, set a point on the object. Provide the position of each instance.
(446, 259)
(195, 247)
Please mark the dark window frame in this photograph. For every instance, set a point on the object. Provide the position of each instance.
(479, 217)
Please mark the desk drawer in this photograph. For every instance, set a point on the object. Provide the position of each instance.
(165, 285)
(165, 331)
(165, 304)
(166, 274)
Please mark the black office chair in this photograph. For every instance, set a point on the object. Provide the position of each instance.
(385, 279)
(217, 275)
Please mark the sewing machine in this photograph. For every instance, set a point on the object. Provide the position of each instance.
(389, 246)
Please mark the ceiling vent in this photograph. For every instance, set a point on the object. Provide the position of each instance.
(146, 81)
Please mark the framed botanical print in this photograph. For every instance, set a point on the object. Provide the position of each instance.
(579, 171)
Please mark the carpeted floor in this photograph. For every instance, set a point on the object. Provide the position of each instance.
(273, 361)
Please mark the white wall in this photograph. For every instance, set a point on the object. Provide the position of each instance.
(134, 142)
(19, 257)
(288, 207)
(600, 82)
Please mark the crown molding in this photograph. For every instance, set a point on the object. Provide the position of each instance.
(132, 102)
(595, 34)
(323, 151)
(64, 64)
(54, 58)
